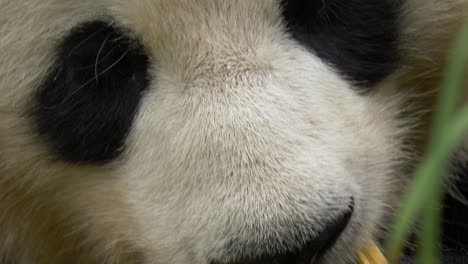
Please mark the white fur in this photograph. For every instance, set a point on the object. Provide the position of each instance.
(241, 131)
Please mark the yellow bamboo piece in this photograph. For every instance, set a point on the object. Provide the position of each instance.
(372, 255)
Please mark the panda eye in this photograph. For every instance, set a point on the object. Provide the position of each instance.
(87, 104)
(359, 38)
(303, 11)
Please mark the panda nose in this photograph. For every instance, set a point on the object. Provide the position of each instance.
(310, 252)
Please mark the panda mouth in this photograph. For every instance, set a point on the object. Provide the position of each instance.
(311, 253)
(333, 234)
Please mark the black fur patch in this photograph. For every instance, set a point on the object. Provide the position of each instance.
(357, 37)
(87, 105)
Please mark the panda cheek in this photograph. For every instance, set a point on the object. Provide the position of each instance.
(86, 106)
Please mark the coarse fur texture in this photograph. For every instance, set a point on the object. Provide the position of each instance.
(242, 134)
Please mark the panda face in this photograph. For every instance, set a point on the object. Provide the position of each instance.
(197, 131)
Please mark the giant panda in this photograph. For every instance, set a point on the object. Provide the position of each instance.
(212, 131)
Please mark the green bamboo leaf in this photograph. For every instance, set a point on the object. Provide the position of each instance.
(447, 132)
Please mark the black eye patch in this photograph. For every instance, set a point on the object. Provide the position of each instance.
(357, 37)
(86, 106)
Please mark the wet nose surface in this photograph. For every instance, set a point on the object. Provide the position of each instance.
(310, 252)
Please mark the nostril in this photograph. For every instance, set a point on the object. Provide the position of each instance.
(310, 251)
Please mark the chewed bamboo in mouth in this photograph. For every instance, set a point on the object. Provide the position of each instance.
(371, 254)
